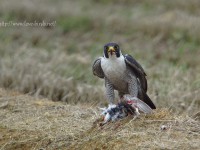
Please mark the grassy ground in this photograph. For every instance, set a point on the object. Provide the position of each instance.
(33, 123)
(55, 62)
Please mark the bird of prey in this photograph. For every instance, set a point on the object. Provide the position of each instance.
(122, 73)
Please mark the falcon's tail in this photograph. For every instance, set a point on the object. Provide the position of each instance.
(148, 101)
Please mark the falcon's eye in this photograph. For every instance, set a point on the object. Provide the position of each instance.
(106, 47)
(116, 47)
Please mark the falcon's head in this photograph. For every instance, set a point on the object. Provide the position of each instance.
(112, 49)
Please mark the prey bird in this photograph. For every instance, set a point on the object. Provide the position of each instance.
(122, 73)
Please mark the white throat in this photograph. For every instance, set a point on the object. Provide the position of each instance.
(113, 67)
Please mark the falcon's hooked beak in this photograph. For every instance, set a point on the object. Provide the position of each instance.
(111, 50)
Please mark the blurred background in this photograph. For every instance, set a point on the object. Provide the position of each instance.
(54, 59)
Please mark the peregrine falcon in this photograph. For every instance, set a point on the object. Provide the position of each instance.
(122, 73)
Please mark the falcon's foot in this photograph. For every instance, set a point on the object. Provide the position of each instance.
(137, 103)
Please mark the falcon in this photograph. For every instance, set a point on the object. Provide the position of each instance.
(122, 73)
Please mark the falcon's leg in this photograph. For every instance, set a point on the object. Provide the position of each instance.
(121, 96)
(109, 91)
(133, 87)
(133, 91)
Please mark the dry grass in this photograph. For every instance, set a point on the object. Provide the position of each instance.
(32, 123)
(55, 62)
(34, 74)
(143, 133)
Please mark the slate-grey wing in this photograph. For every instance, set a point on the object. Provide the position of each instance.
(138, 70)
(141, 75)
(96, 68)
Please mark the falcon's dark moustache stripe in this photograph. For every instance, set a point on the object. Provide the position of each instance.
(117, 53)
(106, 53)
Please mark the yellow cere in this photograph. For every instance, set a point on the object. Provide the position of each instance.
(111, 48)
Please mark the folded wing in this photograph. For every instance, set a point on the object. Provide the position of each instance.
(138, 70)
(141, 75)
(96, 68)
